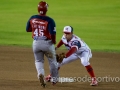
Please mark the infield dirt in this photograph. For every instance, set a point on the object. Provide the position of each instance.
(17, 71)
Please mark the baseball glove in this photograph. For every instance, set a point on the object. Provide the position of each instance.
(60, 57)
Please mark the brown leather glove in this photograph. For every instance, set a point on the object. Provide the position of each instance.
(60, 57)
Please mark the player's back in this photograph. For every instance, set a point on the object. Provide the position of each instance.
(46, 18)
(41, 26)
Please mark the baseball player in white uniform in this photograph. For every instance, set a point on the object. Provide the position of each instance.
(77, 49)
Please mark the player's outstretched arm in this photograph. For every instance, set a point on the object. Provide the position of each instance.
(59, 44)
(71, 51)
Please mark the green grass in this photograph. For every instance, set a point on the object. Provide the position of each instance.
(97, 22)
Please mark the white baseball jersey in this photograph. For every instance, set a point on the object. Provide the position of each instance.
(76, 42)
(83, 51)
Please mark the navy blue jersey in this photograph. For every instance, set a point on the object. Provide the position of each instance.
(41, 26)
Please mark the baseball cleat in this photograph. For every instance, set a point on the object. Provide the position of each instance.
(48, 78)
(53, 83)
(94, 83)
(42, 82)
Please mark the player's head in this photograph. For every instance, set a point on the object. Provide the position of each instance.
(68, 32)
(68, 29)
(42, 7)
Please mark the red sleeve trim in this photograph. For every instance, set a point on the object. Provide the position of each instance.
(71, 51)
(60, 43)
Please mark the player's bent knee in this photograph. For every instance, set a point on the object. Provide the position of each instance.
(85, 63)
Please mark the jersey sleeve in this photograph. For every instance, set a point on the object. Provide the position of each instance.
(28, 26)
(71, 51)
(52, 27)
(52, 30)
(60, 44)
(76, 44)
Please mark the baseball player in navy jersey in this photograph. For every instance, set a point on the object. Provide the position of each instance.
(77, 49)
(44, 37)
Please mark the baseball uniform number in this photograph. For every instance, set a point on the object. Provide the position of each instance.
(38, 32)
